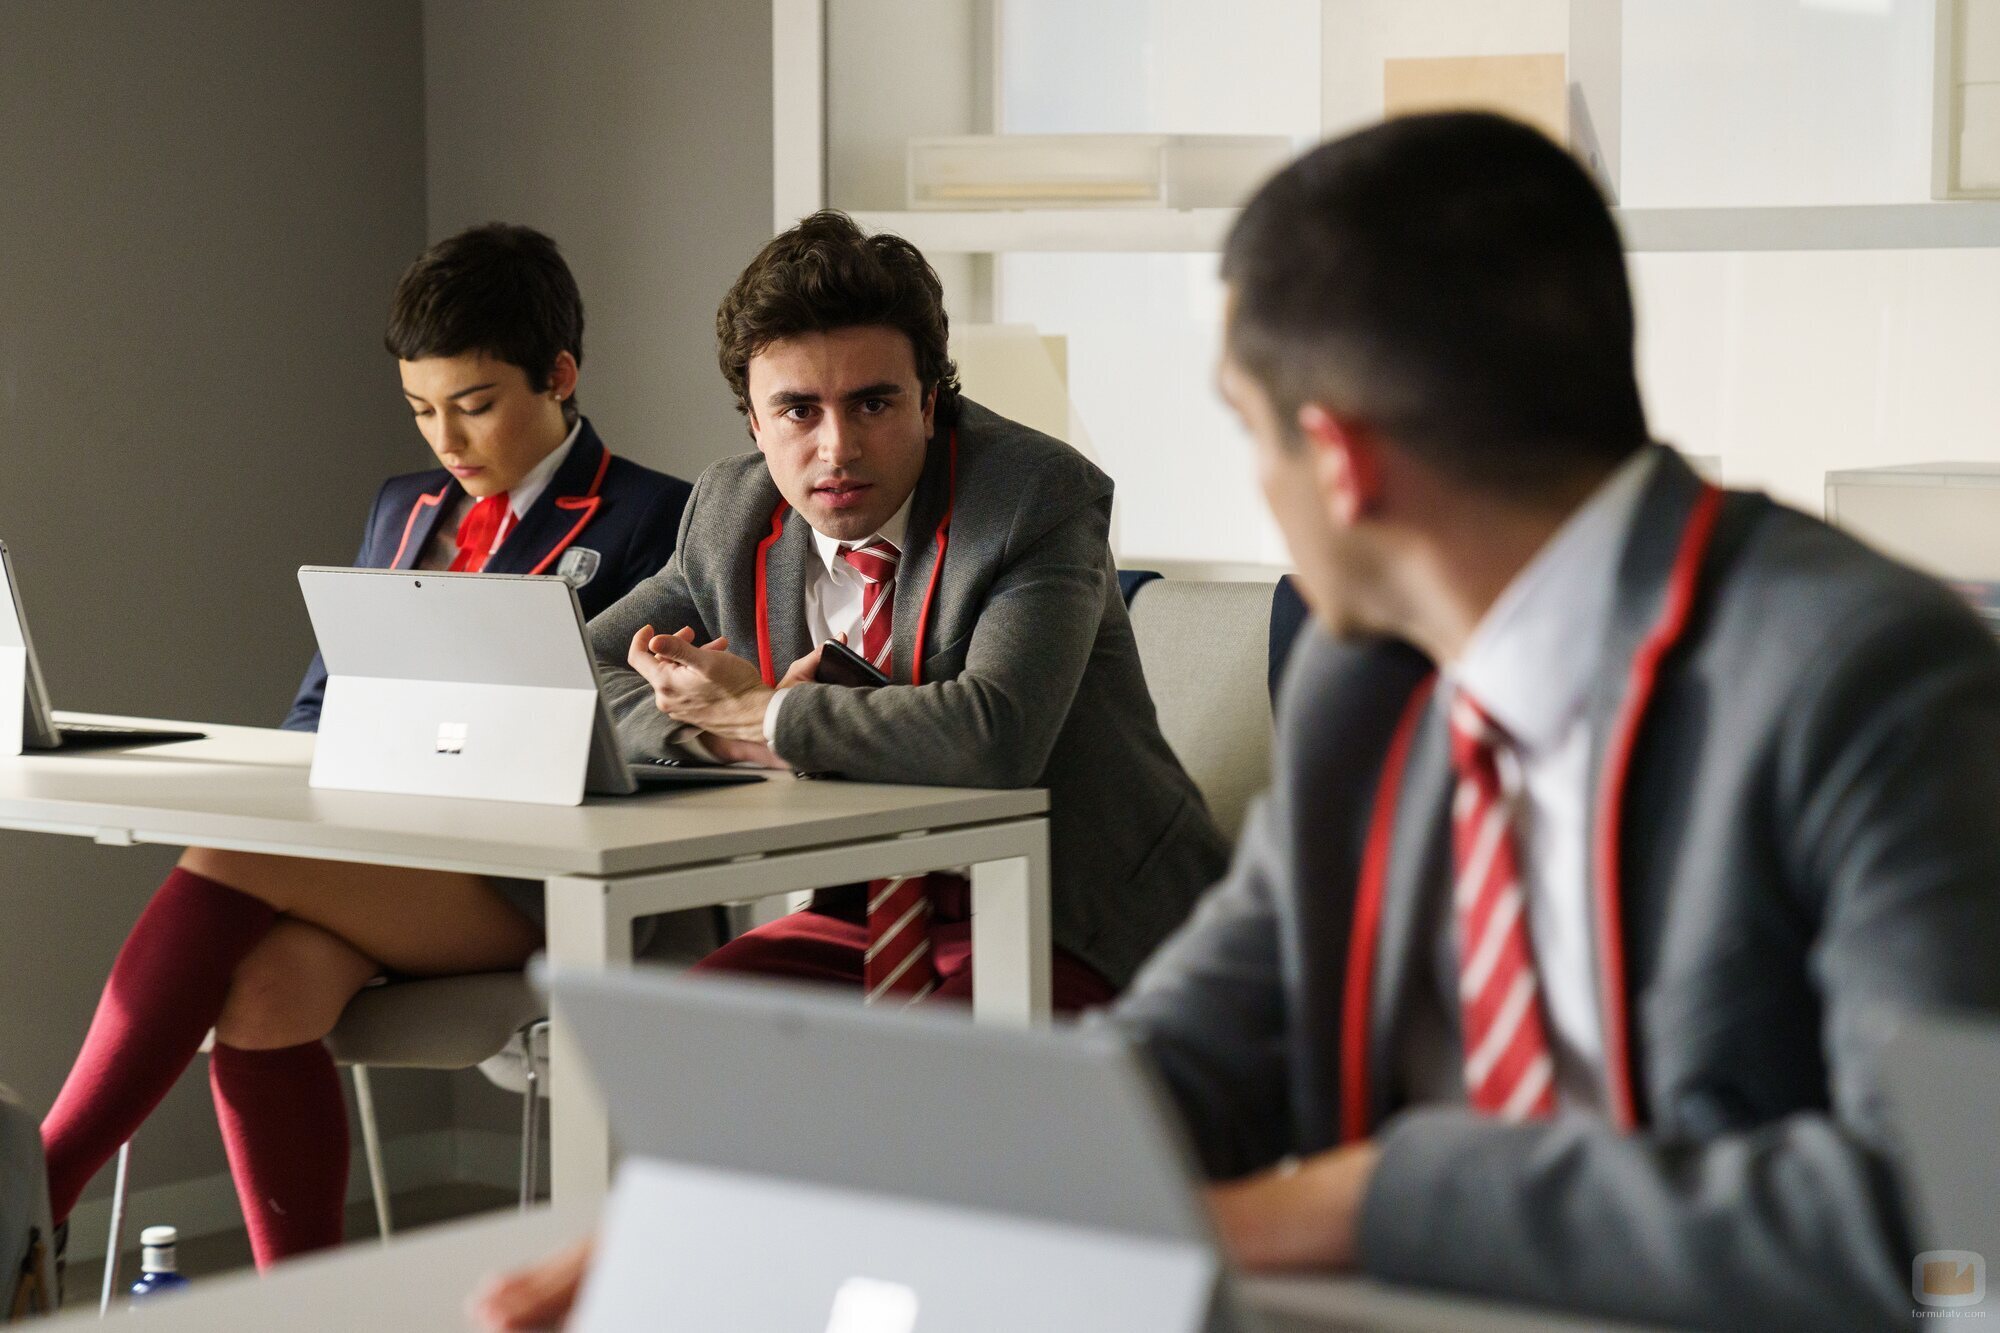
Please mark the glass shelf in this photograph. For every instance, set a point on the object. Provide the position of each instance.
(1930, 226)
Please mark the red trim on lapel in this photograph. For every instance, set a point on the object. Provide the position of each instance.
(1364, 934)
(763, 597)
(769, 668)
(603, 466)
(1645, 679)
(423, 502)
(587, 502)
(943, 543)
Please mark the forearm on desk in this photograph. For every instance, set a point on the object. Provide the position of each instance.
(995, 699)
(1790, 1225)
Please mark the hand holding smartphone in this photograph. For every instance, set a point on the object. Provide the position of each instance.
(841, 665)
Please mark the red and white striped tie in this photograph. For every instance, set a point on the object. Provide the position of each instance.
(876, 562)
(1509, 1070)
(898, 965)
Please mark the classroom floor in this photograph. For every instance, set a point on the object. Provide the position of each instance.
(229, 1251)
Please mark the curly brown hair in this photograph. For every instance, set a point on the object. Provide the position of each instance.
(825, 274)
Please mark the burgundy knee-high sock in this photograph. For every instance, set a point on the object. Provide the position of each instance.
(284, 1123)
(165, 992)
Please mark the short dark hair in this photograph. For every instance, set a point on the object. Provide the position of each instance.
(826, 274)
(497, 289)
(1457, 282)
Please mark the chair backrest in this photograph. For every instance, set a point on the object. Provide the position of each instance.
(1205, 648)
(1288, 617)
(1131, 580)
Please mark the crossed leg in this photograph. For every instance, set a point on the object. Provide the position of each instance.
(277, 1096)
(268, 951)
(339, 925)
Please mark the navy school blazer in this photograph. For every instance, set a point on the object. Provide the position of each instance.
(604, 523)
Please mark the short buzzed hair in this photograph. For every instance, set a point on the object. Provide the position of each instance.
(1456, 282)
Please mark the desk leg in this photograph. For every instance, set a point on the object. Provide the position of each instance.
(1010, 933)
(583, 933)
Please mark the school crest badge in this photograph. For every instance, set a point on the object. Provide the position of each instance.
(578, 565)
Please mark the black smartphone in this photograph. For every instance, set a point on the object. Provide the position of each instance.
(841, 665)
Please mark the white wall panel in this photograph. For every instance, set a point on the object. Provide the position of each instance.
(1729, 102)
(1793, 365)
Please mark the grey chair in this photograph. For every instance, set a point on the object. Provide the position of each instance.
(1205, 648)
(1289, 615)
(493, 1020)
(436, 1023)
(496, 1021)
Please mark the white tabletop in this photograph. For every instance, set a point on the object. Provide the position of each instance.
(1326, 1304)
(245, 787)
(422, 1281)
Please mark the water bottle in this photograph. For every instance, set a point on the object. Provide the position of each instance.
(159, 1270)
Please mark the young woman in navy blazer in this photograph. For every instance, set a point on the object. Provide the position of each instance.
(487, 329)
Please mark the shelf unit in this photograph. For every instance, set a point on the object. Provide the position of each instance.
(1929, 226)
(1843, 374)
(1189, 230)
(1925, 226)
(801, 184)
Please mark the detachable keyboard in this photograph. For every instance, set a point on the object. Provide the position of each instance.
(99, 736)
(666, 773)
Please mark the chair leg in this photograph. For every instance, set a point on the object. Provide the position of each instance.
(371, 1147)
(531, 1110)
(114, 1244)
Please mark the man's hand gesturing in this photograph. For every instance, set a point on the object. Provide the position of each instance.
(705, 686)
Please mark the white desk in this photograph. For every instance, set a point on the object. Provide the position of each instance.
(604, 863)
(422, 1281)
(1326, 1304)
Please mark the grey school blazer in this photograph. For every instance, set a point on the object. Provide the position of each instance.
(1030, 675)
(1808, 846)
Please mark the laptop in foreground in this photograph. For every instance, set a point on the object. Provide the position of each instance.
(794, 1161)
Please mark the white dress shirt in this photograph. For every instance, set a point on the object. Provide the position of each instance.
(529, 488)
(1531, 664)
(834, 594)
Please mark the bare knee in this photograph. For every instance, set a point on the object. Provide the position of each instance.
(290, 989)
(248, 873)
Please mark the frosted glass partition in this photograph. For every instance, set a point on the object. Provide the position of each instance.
(1790, 366)
(1776, 102)
(1781, 366)
(1160, 67)
(1143, 334)
(897, 69)
(1142, 329)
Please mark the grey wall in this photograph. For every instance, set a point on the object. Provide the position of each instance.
(203, 208)
(638, 134)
